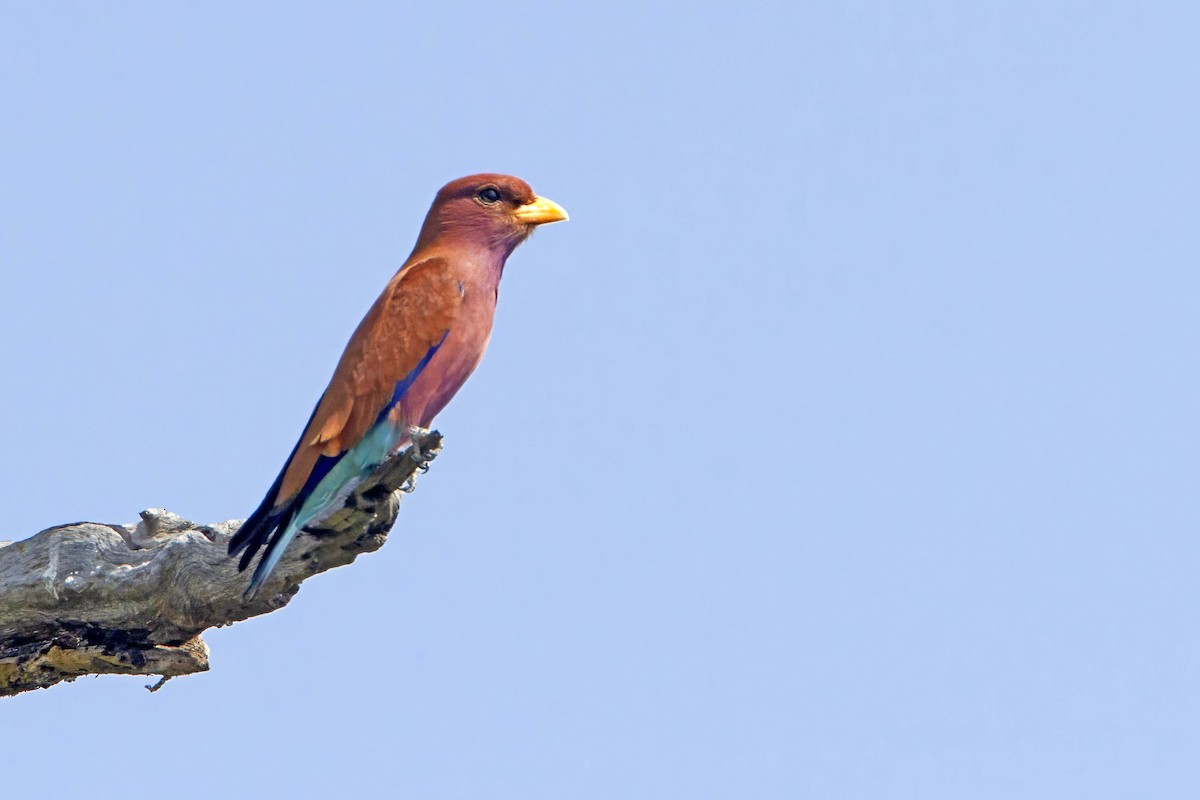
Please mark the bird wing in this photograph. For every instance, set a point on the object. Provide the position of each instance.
(390, 347)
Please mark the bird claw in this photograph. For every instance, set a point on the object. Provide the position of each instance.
(415, 451)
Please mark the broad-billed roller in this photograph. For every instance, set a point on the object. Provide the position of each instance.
(414, 349)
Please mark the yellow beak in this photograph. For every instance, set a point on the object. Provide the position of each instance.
(540, 211)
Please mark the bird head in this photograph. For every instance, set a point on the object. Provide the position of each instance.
(490, 211)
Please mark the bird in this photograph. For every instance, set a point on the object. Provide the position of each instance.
(414, 349)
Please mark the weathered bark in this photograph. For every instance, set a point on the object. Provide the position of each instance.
(91, 598)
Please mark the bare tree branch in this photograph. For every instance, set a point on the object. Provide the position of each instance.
(91, 598)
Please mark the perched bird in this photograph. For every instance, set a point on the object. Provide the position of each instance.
(413, 350)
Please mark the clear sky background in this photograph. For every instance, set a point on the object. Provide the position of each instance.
(842, 445)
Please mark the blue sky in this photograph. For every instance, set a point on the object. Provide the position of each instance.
(843, 444)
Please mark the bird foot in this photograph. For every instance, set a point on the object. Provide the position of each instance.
(415, 450)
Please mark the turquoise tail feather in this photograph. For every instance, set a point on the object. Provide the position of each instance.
(330, 493)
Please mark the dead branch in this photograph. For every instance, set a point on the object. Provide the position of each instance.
(92, 598)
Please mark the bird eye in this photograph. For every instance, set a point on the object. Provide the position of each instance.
(489, 194)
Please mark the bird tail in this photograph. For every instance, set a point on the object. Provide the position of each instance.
(274, 527)
(266, 526)
(258, 527)
(269, 525)
(276, 545)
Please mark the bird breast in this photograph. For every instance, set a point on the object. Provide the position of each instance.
(455, 359)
